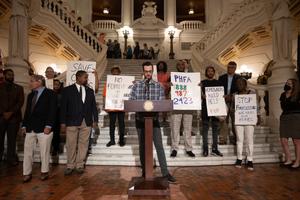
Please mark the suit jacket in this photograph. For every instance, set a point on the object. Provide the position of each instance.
(224, 82)
(11, 100)
(73, 110)
(43, 114)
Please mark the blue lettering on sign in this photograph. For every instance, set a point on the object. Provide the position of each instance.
(183, 100)
(182, 79)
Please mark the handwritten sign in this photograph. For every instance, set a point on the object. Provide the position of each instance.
(49, 83)
(215, 101)
(117, 90)
(74, 66)
(186, 92)
(245, 109)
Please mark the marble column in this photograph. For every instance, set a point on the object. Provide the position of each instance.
(84, 9)
(170, 12)
(18, 46)
(283, 68)
(127, 12)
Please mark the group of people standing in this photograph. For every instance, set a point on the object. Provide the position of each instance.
(136, 52)
(72, 111)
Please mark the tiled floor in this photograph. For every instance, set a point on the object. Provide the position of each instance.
(268, 181)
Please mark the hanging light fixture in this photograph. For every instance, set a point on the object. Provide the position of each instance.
(191, 11)
(105, 11)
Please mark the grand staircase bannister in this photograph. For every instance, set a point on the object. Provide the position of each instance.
(72, 23)
(222, 30)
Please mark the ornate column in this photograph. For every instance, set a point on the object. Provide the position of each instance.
(18, 41)
(170, 12)
(283, 68)
(84, 9)
(127, 12)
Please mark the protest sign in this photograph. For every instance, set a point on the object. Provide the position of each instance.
(245, 109)
(118, 89)
(185, 91)
(215, 101)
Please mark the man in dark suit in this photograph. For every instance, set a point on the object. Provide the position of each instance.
(78, 115)
(37, 124)
(11, 102)
(228, 81)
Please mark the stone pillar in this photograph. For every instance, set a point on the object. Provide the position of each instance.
(213, 12)
(171, 12)
(18, 46)
(84, 9)
(283, 68)
(127, 12)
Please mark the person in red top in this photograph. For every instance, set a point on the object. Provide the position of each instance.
(163, 77)
(113, 114)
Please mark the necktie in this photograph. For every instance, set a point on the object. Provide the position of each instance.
(80, 92)
(34, 99)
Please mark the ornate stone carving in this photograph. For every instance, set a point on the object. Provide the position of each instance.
(149, 9)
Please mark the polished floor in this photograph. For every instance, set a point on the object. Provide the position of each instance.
(268, 181)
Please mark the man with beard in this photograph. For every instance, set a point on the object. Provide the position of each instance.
(78, 115)
(11, 102)
(148, 89)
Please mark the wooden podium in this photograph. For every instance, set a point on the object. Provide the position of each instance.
(148, 185)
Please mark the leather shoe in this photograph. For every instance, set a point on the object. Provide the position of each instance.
(44, 176)
(79, 170)
(27, 178)
(68, 171)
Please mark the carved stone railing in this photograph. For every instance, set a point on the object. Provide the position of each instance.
(71, 23)
(249, 12)
(104, 25)
(192, 25)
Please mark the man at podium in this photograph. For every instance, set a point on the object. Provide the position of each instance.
(148, 89)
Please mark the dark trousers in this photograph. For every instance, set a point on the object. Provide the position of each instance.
(11, 128)
(112, 125)
(157, 139)
(215, 124)
(56, 141)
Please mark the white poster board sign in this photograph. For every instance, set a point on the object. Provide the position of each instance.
(185, 91)
(49, 83)
(118, 89)
(245, 109)
(74, 66)
(215, 101)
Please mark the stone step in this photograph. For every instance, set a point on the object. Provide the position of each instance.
(271, 157)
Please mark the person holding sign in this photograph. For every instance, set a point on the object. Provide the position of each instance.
(289, 121)
(77, 116)
(114, 114)
(228, 81)
(148, 89)
(245, 109)
(177, 117)
(215, 123)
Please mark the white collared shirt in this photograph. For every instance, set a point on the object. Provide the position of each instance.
(83, 91)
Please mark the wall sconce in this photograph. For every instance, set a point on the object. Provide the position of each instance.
(105, 11)
(191, 11)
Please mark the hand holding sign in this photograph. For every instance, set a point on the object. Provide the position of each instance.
(185, 91)
(215, 101)
(245, 109)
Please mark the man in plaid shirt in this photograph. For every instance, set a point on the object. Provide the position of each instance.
(149, 89)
